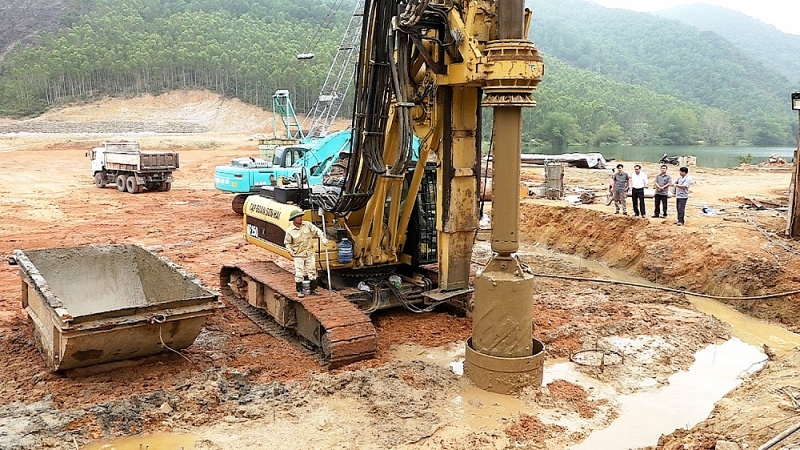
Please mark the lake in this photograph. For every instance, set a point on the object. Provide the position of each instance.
(706, 156)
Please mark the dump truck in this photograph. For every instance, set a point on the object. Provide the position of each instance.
(131, 169)
(97, 305)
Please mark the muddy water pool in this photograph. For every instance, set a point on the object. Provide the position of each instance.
(749, 329)
(687, 398)
(160, 441)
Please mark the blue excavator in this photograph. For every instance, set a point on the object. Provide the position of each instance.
(281, 165)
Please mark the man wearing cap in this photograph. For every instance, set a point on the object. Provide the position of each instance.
(301, 243)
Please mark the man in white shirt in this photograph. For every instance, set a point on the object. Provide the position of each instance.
(638, 183)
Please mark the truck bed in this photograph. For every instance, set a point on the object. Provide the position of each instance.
(141, 161)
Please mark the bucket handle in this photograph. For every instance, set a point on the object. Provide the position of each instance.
(158, 318)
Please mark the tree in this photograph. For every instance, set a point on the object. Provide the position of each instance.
(770, 132)
(639, 133)
(559, 129)
(609, 132)
(718, 128)
(679, 128)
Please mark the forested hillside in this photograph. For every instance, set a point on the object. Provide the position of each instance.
(577, 105)
(673, 59)
(764, 43)
(243, 49)
(611, 76)
(664, 56)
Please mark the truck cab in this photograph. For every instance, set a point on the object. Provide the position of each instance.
(97, 154)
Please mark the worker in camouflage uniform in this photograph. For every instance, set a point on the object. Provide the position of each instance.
(301, 242)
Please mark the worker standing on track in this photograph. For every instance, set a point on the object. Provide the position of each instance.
(301, 243)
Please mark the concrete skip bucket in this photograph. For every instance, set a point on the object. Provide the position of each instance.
(99, 304)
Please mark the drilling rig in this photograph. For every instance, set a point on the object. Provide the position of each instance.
(426, 68)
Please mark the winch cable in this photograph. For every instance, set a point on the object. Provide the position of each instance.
(666, 289)
(486, 174)
(313, 41)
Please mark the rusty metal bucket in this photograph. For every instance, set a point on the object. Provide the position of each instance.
(98, 304)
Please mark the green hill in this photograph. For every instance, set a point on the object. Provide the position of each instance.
(662, 55)
(611, 75)
(735, 98)
(761, 42)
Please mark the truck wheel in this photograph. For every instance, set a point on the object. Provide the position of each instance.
(100, 180)
(131, 185)
(121, 180)
(165, 186)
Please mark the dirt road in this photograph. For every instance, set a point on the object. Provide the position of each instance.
(239, 388)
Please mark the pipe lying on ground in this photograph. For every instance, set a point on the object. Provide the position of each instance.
(786, 433)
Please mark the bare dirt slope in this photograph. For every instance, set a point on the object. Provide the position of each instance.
(24, 20)
(241, 388)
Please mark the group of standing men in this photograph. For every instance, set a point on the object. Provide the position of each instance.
(621, 182)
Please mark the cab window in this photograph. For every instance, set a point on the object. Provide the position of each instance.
(277, 157)
(292, 156)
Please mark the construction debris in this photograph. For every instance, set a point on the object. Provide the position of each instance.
(762, 204)
(579, 160)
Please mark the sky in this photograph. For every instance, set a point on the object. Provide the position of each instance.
(782, 14)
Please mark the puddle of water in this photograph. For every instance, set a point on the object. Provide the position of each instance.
(451, 356)
(476, 409)
(473, 408)
(644, 416)
(688, 399)
(162, 441)
(748, 329)
(565, 370)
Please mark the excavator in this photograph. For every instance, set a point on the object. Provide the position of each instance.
(401, 221)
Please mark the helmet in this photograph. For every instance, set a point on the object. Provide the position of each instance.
(296, 213)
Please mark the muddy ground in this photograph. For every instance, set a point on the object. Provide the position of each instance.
(239, 388)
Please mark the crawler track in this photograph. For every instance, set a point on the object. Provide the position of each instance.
(331, 323)
(268, 325)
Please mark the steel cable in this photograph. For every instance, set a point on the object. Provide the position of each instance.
(382, 80)
(667, 289)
